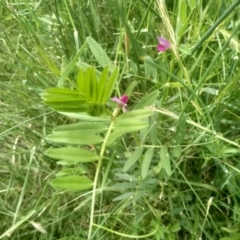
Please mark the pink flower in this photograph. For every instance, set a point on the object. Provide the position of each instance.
(122, 102)
(163, 44)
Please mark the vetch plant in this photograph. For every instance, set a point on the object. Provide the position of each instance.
(153, 183)
(98, 127)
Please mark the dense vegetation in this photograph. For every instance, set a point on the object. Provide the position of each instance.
(177, 177)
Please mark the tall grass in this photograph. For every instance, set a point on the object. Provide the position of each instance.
(196, 119)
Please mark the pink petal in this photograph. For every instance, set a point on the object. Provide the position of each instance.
(117, 100)
(163, 44)
(124, 99)
(161, 48)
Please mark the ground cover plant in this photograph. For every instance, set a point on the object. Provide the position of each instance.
(119, 119)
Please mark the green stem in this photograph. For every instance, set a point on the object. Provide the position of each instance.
(97, 175)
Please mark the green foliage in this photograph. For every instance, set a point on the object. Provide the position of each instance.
(71, 155)
(166, 169)
(91, 95)
(165, 159)
(146, 161)
(72, 183)
(99, 53)
(133, 159)
(88, 133)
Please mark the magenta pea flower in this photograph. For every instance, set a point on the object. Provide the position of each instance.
(122, 102)
(163, 45)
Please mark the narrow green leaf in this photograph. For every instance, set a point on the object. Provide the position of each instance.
(74, 137)
(133, 67)
(81, 81)
(135, 114)
(209, 90)
(127, 177)
(176, 151)
(150, 68)
(160, 233)
(90, 84)
(133, 159)
(130, 88)
(64, 99)
(153, 128)
(99, 53)
(74, 106)
(87, 83)
(113, 136)
(71, 102)
(102, 85)
(84, 66)
(123, 196)
(185, 49)
(146, 161)
(61, 91)
(181, 18)
(147, 100)
(61, 95)
(158, 168)
(181, 129)
(137, 49)
(192, 4)
(144, 133)
(93, 86)
(173, 85)
(65, 172)
(183, 11)
(230, 230)
(233, 237)
(129, 125)
(71, 65)
(88, 127)
(64, 64)
(128, 184)
(123, 127)
(174, 227)
(165, 159)
(110, 86)
(95, 17)
(86, 117)
(72, 183)
(82, 108)
(75, 155)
